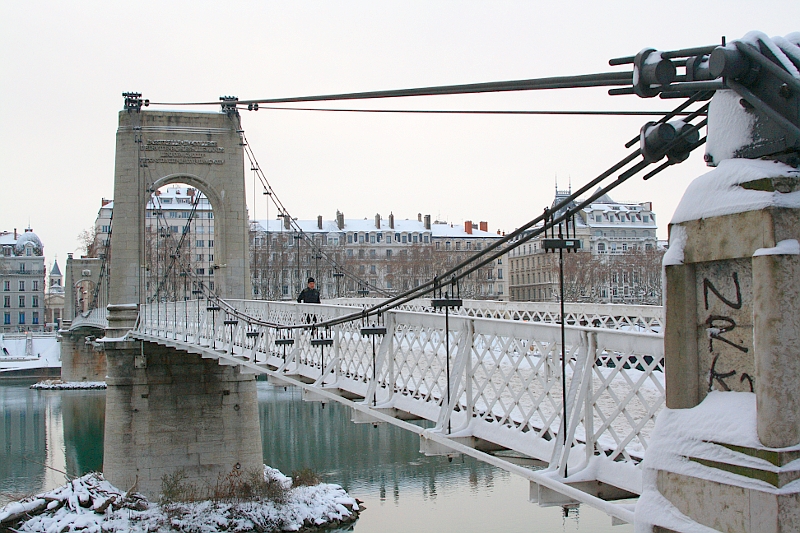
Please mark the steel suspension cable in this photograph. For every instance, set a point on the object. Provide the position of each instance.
(284, 212)
(604, 79)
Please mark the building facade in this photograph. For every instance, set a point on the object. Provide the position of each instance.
(619, 260)
(348, 257)
(22, 281)
(369, 257)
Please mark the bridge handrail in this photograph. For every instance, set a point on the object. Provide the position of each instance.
(504, 384)
(95, 318)
(613, 316)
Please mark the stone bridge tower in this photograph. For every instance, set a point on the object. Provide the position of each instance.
(168, 410)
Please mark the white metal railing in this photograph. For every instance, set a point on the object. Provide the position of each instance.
(504, 381)
(94, 318)
(647, 318)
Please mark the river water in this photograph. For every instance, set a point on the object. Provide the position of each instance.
(44, 434)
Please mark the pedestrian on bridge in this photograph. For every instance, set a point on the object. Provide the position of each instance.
(309, 295)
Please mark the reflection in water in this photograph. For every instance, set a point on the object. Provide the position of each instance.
(84, 422)
(403, 489)
(46, 433)
(23, 435)
(360, 457)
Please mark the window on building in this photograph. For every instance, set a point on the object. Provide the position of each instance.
(210, 244)
(199, 243)
(35, 285)
(425, 239)
(499, 273)
(35, 317)
(436, 246)
(34, 301)
(7, 301)
(7, 319)
(200, 271)
(6, 285)
(21, 317)
(198, 257)
(21, 301)
(388, 254)
(403, 238)
(22, 285)
(373, 269)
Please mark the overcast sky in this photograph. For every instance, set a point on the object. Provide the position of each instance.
(64, 66)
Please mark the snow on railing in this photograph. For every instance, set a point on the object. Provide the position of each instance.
(505, 374)
(648, 318)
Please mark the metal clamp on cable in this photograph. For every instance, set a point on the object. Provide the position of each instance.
(651, 73)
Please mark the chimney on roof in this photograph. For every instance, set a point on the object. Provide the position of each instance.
(104, 202)
(377, 221)
(484, 226)
(15, 234)
(287, 221)
(319, 221)
(468, 227)
(339, 220)
(391, 220)
(427, 222)
(419, 217)
(498, 232)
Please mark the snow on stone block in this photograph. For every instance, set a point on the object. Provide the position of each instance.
(719, 193)
(785, 247)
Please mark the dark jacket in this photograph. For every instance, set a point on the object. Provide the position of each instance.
(309, 296)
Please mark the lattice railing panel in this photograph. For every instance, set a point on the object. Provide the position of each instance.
(504, 373)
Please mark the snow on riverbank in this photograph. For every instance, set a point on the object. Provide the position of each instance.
(57, 384)
(91, 504)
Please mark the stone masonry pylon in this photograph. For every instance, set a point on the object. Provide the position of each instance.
(168, 410)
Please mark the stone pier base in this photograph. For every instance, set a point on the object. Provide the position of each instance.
(168, 410)
(82, 359)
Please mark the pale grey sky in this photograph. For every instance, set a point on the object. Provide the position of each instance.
(64, 65)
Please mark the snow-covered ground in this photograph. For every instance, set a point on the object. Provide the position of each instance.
(57, 384)
(19, 352)
(91, 504)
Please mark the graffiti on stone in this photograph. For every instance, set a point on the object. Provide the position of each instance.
(725, 331)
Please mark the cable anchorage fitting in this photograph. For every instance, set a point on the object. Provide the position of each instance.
(229, 104)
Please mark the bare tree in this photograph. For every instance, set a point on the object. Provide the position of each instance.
(89, 242)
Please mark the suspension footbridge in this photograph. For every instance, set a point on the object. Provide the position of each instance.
(565, 395)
